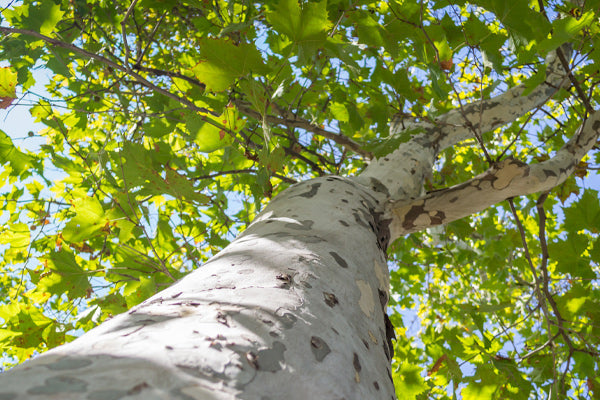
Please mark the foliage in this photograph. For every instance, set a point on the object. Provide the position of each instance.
(171, 123)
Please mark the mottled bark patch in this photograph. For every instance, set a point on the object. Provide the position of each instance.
(288, 320)
(386, 345)
(271, 359)
(390, 334)
(435, 217)
(69, 363)
(222, 319)
(382, 230)
(252, 359)
(109, 394)
(8, 395)
(359, 221)
(330, 299)
(60, 384)
(376, 385)
(314, 188)
(305, 225)
(285, 281)
(319, 348)
(377, 186)
(356, 363)
(549, 172)
(338, 259)
(383, 299)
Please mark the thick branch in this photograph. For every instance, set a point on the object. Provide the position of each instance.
(507, 179)
(486, 115)
(406, 168)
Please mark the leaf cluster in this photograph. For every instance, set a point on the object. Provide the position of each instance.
(169, 124)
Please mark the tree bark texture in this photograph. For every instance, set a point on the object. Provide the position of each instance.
(294, 308)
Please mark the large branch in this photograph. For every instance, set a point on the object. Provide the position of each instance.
(507, 179)
(485, 115)
(404, 170)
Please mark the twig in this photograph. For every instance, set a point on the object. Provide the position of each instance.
(295, 122)
(124, 34)
(567, 68)
(143, 52)
(121, 68)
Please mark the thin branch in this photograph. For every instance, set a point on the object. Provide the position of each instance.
(154, 30)
(137, 77)
(170, 74)
(124, 34)
(241, 171)
(565, 64)
(580, 93)
(292, 121)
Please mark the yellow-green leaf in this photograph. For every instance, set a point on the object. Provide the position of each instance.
(8, 82)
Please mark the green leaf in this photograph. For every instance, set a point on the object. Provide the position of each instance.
(41, 16)
(391, 143)
(584, 213)
(518, 18)
(223, 62)
(478, 391)
(535, 80)
(6, 335)
(41, 111)
(565, 29)
(408, 381)
(569, 256)
(19, 162)
(305, 25)
(180, 187)
(18, 236)
(369, 31)
(89, 221)
(339, 111)
(150, 170)
(139, 290)
(308, 22)
(66, 276)
(8, 82)
(50, 16)
(209, 137)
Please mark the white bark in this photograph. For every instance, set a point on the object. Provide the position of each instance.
(509, 178)
(292, 309)
(404, 170)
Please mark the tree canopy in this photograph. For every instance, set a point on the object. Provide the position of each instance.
(171, 123)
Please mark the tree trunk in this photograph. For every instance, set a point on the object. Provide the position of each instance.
(293, 308)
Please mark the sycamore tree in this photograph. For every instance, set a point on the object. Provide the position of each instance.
(402, 184)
